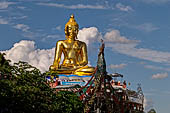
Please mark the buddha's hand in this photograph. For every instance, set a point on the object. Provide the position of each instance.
(54, 67)
(77, 66)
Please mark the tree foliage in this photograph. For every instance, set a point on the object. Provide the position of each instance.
(26, 91)
(5, 68)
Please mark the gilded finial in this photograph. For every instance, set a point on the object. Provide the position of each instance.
(72, 16)
(72, 21)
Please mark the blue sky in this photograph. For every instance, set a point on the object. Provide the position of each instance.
(136, 34)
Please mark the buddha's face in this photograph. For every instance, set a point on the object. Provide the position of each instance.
(72, 31)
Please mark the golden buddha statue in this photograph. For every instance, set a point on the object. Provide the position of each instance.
(75, 53)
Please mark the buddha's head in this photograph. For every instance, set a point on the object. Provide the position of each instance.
(71, 28)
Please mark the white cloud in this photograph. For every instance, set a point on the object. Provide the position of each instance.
(58, 28)
(144, 27)
(148, 27)
(78, 6)
(122, 45)
(117, 66)
(35, 0)
(21, 7)
(3, 21)
(114, 36)
(146, 54)
(51, 37)
(156, 68)
(26, 51)
(160, 76)
(142, 62)
(22, 27)
(89, 35)
(4, 5)
(32, 35)
(27, 32)
(123, 7)
(20, 17)
(153, 67)
(156, 1)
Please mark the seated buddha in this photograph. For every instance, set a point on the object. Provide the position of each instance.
(74, 51)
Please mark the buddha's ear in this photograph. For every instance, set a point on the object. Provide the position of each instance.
(66, 30)
(77, 30)
(66, 37)
(76, 34)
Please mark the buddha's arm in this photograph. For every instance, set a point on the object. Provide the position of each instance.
(84, 55)
(58, 52)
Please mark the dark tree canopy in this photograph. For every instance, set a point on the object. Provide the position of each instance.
(5, 68)
(23, 89)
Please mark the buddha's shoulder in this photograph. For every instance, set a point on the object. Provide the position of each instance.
(80, 42)
(60, 41)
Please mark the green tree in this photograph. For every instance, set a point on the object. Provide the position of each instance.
(28, 92)
(69, 103)
(5, 68)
